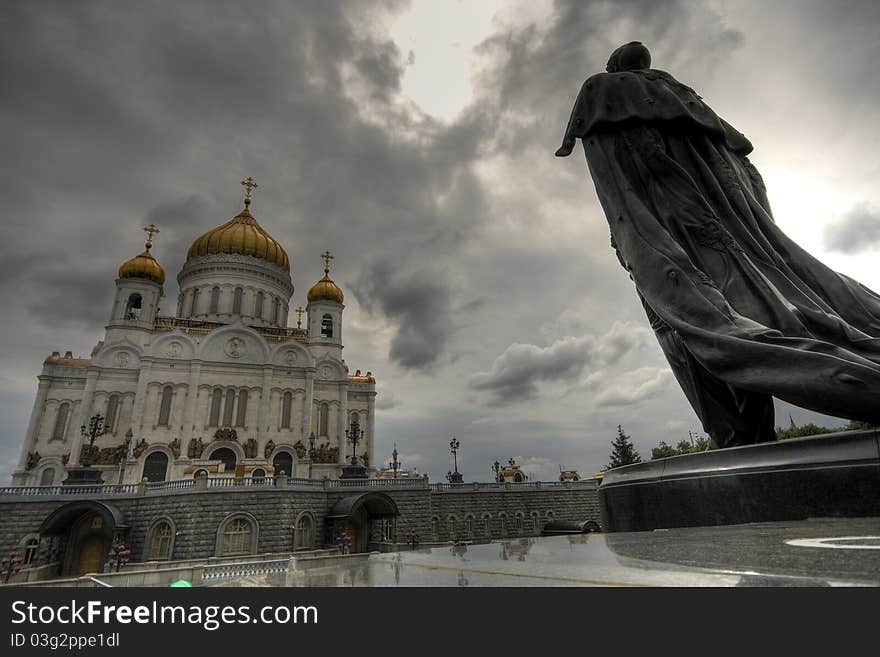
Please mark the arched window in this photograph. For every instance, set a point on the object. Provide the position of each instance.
(225, 456)
(487, 525)
(216, 400)
(112, 414)
(134, 306)
(518, 478)
(201, 472)
(258, 473)
(160, 540)
(549, 516)
(535, 520)
(327, 326)
(258, 306)
(194, 306)
(469, 525)
(275, 306)
(518, 522)
(215, 300)
(283, 463)
(61, 418)
(155, 466)
(304, 537)
(228, 407)
(286, 402)
(47, 478)
(30, 551)
(237, 536)
(323, 419)
(165, 406)
(241, 415)
(236, 301)
(388, 530)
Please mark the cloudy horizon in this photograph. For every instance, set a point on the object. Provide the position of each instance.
(416, 142)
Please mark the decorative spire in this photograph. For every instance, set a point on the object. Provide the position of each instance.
(299, 316)
(150, 231)
(327, 258)
(249, 185)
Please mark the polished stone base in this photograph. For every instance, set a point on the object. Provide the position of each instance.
(83, 477)
(350, 471)
(833, 475)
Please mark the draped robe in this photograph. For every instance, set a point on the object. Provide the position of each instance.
(741, 312)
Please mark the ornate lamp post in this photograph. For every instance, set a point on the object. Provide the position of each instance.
(312, 441)
(354, 470)
(126, 447)
(496, 468)
(95, 429)
(454, 477)
(395, 464)
(119, 555)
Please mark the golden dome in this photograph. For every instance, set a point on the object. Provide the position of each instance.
(242, 235)
(143, 266)
(325, 290)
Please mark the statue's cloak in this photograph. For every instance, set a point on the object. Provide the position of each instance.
(741, 311)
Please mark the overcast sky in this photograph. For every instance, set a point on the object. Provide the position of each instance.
(416, 142)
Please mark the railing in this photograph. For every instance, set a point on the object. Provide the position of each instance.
(416, 482)
(504, 485)
(201, 327)
(159, 486)
(245, 569)
(87, 489)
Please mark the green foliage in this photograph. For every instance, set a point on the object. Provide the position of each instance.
(622, 451)
(694, 444)
(810, 429)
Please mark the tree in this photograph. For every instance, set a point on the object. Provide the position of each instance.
(690, 446)
(622, 451)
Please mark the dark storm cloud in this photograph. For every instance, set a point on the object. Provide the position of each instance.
(419, 305)
(858, 230)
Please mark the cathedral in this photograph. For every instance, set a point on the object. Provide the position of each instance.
(223, 388)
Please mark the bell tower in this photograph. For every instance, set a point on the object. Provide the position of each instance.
(138, 289)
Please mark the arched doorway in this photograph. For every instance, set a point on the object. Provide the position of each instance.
(227, 457)
(359, 518)
(84, 531)
(283, 462)
(156, 466)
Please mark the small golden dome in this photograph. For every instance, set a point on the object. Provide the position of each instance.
(244, 236)
(325, 289)
(143, 266)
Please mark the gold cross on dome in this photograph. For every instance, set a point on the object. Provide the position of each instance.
(249, 185)
(299, 316)
(150, 231)
(327, 258)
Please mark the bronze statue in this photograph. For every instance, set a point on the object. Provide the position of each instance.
(741, 312)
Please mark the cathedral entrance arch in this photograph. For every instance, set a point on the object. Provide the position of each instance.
(227, 457)
(283, 462)
(156, 466)
(85, 531)
(357, 516)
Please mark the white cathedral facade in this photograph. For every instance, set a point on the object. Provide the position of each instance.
(223, 388)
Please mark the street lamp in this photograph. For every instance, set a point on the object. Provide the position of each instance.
(354, 434)
(394, 462)
(95, 429)
(312, 440)
(496, 468)
(454, 477)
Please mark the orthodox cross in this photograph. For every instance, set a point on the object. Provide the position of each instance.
(327, 258)
(150, 231)
(299, 316)
(249, 185)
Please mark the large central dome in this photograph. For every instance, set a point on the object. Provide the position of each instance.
(241, 235)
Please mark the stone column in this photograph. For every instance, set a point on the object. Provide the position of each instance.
(371, 428)
(30, 438)
(308, 406)
(342, 421)
(264, 422)
(85, 409)
(140, 400)
(189, 411)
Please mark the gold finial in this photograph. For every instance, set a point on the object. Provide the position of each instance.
(327, 258)
(150, 231)
(299, 316)
(249, 185)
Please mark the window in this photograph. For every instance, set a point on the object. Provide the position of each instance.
(47, 478)
(323, 419)
(241, 415)
(236, 301)
(61, 418)
(155, 466)
(180, 305)
(487, 524)
(194, 306)
(133, 307)
(227, 457)
(283, 463)
(451, 524)
(518, 522)
(216, 398)
(327, 326)
(388, 530)
(160, 541)
(258, 306)
(286, 402)
(237, 536)
(275, 305)
(304, 532)
(502, 519)
(30, 551)
(165, 407)
(228, 407)
(258, 473)
(535, 521)
(201, 472)
(469, 524)
(215, 300)
(112, 414)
